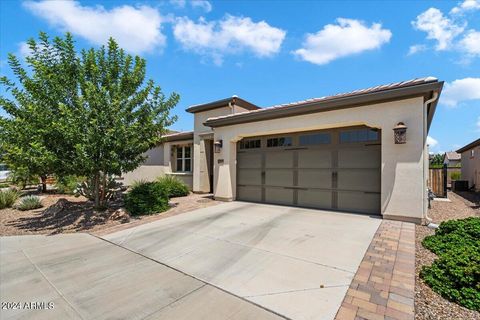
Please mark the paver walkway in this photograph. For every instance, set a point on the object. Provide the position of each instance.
(384, 285)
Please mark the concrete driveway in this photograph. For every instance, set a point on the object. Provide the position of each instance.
(232, 261)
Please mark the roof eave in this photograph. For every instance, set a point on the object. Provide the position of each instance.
(426, 90)
(469, 146)
(222, 103)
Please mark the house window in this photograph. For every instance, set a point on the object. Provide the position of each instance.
(250, 144)
(472, 153)
(313, 139)
(184, 158)
(279, 142)
(362, 135)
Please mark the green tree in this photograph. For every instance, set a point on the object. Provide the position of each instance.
(437, 159)
(105, 118)
(29, 140)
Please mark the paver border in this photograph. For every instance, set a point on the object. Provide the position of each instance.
(384, 284)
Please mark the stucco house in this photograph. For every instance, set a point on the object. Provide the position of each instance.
(452, 159)
(471, 164)
(339, 152)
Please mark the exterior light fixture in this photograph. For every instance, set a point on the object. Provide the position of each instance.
(218, 146)
(400, 133)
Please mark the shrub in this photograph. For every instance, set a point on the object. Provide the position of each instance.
(455, 175)
(8, 197)
(173, 186)
(455, 275)
(146, 198)
(29, 203)
(68, 184)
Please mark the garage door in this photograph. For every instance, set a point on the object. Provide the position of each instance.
(335, 169)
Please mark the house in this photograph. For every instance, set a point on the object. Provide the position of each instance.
(471, 164)
(452, 159)
(362, 151)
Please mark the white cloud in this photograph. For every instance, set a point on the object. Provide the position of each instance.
(228, 36)
(202, 4)
(345, 38)
(24, 49)
(461, 90)
(470, 43)
(416, 49)
(136, 29)
(179, 3)
(467, 5)
(438, 27)
(431, 142)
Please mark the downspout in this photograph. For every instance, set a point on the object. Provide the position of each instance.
(425, 126)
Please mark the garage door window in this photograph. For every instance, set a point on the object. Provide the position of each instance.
(250, 144)
(313, 139)
(279, 142)
(362, 135)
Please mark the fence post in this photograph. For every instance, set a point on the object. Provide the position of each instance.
(445, 178)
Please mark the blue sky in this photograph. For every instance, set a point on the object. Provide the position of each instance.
(276, 52)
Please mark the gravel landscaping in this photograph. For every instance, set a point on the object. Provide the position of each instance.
(67, 214)
(428, 304)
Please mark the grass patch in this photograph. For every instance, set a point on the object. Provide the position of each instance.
(455, 275)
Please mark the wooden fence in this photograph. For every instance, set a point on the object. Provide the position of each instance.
(437, 181)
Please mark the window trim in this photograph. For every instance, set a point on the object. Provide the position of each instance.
(183, 158)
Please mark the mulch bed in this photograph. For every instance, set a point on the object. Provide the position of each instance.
(428, 304)
(68, 214)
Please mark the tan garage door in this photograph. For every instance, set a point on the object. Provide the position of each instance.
(335, 169)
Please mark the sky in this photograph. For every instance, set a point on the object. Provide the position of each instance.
(273, 52)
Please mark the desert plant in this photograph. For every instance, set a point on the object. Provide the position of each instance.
(173, 186)
(8, 198)
(455, 175)
(455, 275)
(68, 184)
(108, 190)
(29, 203)
(146, 198)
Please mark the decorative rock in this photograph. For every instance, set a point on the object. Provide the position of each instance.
(120, 215)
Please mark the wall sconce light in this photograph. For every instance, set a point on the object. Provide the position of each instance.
(400, 133)
(218, 146)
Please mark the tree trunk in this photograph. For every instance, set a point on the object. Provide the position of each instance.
(96, 189)
(44, 183)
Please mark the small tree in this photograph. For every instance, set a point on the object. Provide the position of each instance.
(101, 116)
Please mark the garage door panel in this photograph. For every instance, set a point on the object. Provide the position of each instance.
(359, 179)
(249, 160)
(355, 157)
(315, 158)
(315, 198)
(277, 159)
(250, 193)
(279, 195)
(317, 178)
(359, 201)
(279, 177)
(250, 176)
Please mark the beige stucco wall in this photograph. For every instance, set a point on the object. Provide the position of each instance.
(471, 168)
(403, 186)
(158, 163)
(200, 134)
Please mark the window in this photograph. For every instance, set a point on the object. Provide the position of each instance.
(472, 153)
(250, 144)
(317, 138)
(184, 159)
(362, 135)
(279, 142)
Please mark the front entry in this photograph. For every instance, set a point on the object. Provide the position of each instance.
(331, 169)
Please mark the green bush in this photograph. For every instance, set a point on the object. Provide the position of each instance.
(29, 203)
(146, 198)
(455, 175)
(68, 184)
(174, 187)
(455, 275)
(8, 198)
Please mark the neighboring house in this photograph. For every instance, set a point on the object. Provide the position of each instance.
(336, 153)
(452, 159)
(471, 164)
